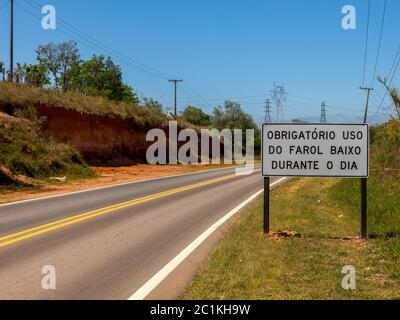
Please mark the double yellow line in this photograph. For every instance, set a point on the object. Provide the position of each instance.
(36, 231)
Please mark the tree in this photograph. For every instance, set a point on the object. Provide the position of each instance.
(394, 94)
(19, 73)
(153, 105)
(196, 116)
(129, 94)
(36, 75)
(100, 76)
(59, 59)
(74, 78)
(2, 70)
(298, 121)
(232, 116)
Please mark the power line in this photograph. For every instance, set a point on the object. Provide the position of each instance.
(97, 45)
(82, 34)
(366, 43)
(218, 100)
(196, 101)
(251, 99)
(380, 43)
(289, 102)
(394, 61)
(391, 75)
(375, 98)
(94, 47)
(196, 94)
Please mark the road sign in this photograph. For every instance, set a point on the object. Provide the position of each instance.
(316, 150)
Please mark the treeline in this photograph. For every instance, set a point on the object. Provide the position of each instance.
(60, 67)
(230, 116)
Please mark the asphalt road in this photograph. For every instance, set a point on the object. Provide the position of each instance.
(107, 243)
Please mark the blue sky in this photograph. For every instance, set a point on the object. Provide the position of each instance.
(227, 49)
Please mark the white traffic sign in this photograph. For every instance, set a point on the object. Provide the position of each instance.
(316, 150)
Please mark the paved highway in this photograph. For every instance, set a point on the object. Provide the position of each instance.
(116, 242)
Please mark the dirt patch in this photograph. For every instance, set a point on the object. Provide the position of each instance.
(6, 174)
(281, 235)
(10, 119)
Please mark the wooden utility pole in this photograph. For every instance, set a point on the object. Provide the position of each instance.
(367, 104)
(175, 82)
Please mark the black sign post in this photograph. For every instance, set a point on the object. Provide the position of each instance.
(266, 204)
(364, 208)
(364, 184)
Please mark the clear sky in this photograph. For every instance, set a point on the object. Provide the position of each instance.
(226, 49)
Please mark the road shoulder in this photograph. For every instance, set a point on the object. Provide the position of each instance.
(176, 283)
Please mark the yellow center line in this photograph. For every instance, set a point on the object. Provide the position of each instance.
(32, 232)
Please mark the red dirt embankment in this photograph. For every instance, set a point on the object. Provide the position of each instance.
(100, 140)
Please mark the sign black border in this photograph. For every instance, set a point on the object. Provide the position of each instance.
(316, 124)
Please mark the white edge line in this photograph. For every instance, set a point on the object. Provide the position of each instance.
(150, 285)
(112, 186)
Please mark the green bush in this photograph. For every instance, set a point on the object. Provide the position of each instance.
(25, 151)
(383, 184)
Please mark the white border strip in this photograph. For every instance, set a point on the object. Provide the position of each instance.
(150, 285)
(114, 186)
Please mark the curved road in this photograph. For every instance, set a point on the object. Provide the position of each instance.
(107, 243)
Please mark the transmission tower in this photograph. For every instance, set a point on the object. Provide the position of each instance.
(267, 111)
(323, 112)
(279, 95)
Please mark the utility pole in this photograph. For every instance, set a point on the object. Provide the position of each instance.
(267, 111)
(367, 104)
(11, 71)
(323, 112)
(364, 181)
(175, 82)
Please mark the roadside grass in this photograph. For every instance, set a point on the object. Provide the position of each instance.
(248, 265)
(383, 189)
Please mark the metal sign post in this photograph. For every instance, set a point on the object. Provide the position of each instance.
(364, 208)
(316, 150)
(266, 204)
